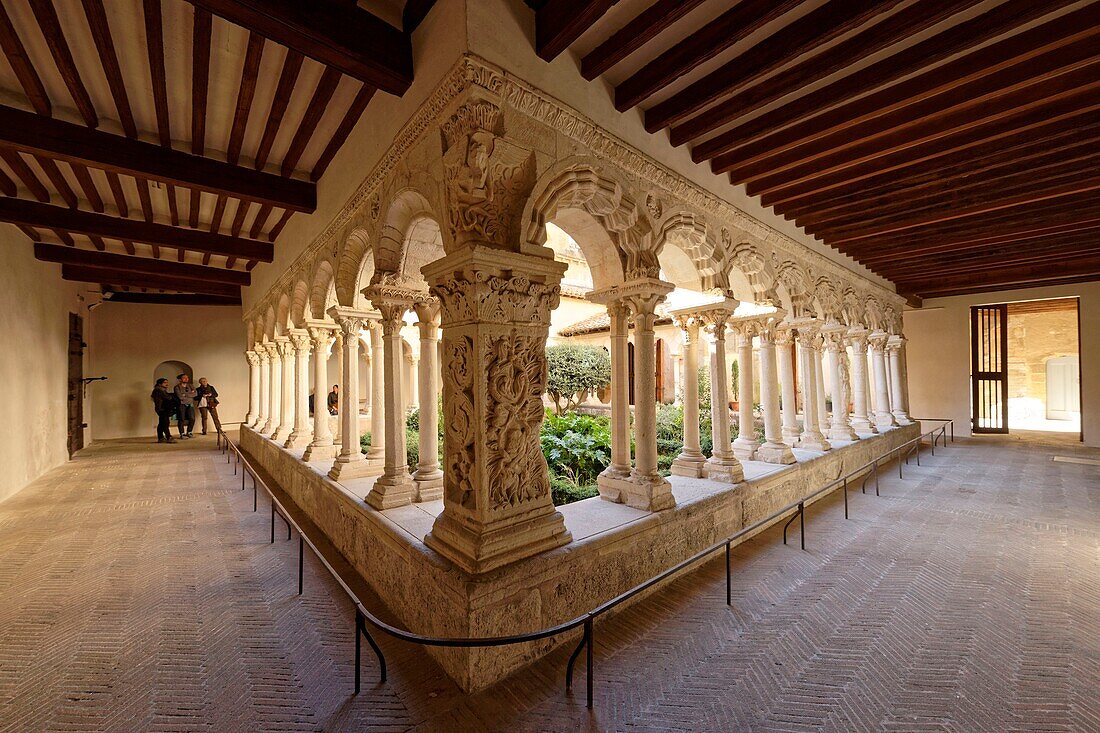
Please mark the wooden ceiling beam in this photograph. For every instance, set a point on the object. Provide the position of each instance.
(292, 65)
(24, 173)
(347, 124)
(959, 38)
(968, 71)
(33, 214)
(799, 38)
(171, 298)
(154, 41)
(200, 79)
(979, 260)
(16, 53)
(973, 290)
(55, 176)
(106, 276)
(315, 110)
(883, 258)
(560, 22)
(60, 140)
(638, 31)
(87, 258)
(340, 35)
(46, 16)
(728, 29)
(1015, 276)
(108, 57)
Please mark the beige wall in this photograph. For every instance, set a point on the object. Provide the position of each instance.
(34, 332)
(1033, 338)
(938, 354)
(127, 343)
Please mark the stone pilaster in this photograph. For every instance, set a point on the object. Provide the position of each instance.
(841, 426)
(321, 447)
(895, 354)
(428, 475)
(253, 387)
(857, 338)
(811, 437)
(350, 463)
(691, 459)
(744, 447)
(722, 464)
(784, 339)
(495, 314)
(395, 487)
(884, 417)
(774, 449)
(300, 435)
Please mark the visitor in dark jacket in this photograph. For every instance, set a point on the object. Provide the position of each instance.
(185, 393)
(334, 400)
(164, 402)
(207, 398)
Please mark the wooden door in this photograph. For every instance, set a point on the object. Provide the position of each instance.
(989, 368)
(1063, 388)
(76, 383)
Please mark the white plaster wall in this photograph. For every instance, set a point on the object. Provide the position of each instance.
(34, 331)
(127, 342)
(938, 354)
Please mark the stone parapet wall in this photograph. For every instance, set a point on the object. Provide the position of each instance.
(430, 596)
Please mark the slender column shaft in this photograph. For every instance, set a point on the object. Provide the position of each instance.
(338, 350)
(275, 413)
(300, 430)
(774, 449)
(722, 464)
(900, 410)
(884, 418)
(265, 389)
(860, 418)
(428, 476)
(818, 354)
(286, 398)
(786, 381)
(253, 388)
(690, 461)
(645, 389)
(377, 451)
(395, 486)
(349, 463)
(321, 446)
(812, 437)
(620, 390)
(745, 445)
(841, 427)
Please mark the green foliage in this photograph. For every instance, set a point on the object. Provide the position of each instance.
(735, 373)
(573, 369)
(577, 447)
(704, 390)
(670, 423)
(412, 446)
(564, 491)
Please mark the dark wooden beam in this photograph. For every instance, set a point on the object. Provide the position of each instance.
(975, 289)
(200, 79)
(1016, 53)
(53, 173)
(318, 103)
(560, 22)
(7, 185)
(87, 185)
(292, 64)
(274, 233)
(1014, 276)
(21, 64)
(728, 29)
(24, 173)
(340, 35)
(33, 214)
(74, 143)
(959, 38)
(171, 298)
(803, 36)
(414, 13)
(882, 258)
(347, 124)
(149, 266)
(154, 42)
(46, 15)
(249, 72)
(108, 57)
(637, 32)
(106, 276)
(977, 260)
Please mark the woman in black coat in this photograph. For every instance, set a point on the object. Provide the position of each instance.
(164, 402)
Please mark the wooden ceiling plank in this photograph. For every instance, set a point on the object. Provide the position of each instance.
(200, 79)
(64, 236)
(245, 92)
(883, 257)
(87, 185)
(173, 205)
(725, 31)
(976, 261)
(64, 190)
(219, 211)
(144, 198)
(347, 124)
(30, 213)
(1015, 51)
(799, 38)
(46, 16)
(275, 230)
(1026, 274)
(259, 222)
(25, 72)
(173, 299)
(107, 276)
(638, 31)
(194, 200)
(994, 288)
(292, 65)
(7, 185)
(238, 218)
(560, 22)
(962, 37)
(24, 173)
(75, 143)
(108, 57)
(30, 232)
(336, 33)
(993, 97)
(97, 242)
(154, 41)
(318, 103)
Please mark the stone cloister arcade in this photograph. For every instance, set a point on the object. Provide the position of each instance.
(448, 236)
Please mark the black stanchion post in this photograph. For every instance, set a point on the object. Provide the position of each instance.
(301, 560)
(588, 651)
(358, 642)
(802, 524)
(729, 589)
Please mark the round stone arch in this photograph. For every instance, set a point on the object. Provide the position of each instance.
(793, 289)
(322, 290)
(686, 253)
(255, 332)
(282, 315)
(299, 303)
(356, 258)
(827, 300)
(408, 212)
(269, 324)
(750, 267)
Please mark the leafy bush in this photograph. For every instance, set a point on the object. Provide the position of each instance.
(563, 491)
(735, 374)
(670, 422)
(576, 447)
(412, 446)
(573, 369)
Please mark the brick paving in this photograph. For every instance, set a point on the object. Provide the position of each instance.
(138, 592)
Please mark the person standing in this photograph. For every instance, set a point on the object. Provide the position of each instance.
(164, 402)
(334, 400)
(185, 393)
(207, 398)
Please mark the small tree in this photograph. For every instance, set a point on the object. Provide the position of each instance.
(573, 370)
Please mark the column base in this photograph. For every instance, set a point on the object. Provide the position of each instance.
(726, 469)
(863, 425)
(392, 490)
(901, 418)
(744, 448)
(297, 440)
(609, 483)
(267, 429)
(814, 441)
(649, 493)
(779, 453)
(688, 464)
(885, 421)
(842, 432)
(429, 485)
(354, 468)
(478, 548)
(280, 435)
(791, 435)
(249, 419)
(322, 452)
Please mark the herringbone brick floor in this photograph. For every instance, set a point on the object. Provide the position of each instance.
(138, 592)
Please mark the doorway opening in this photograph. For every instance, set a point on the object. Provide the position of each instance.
(76, 384)
(1025, 366)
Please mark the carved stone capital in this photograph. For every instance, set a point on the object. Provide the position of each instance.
(301, 340)
(783, 336)
(321, 332)
(283, 346)
(878, 340)
(253, 357)
(349, 320)
(857, 339)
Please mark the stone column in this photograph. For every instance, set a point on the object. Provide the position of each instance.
(495, 314)
(841, 427)
(264, 408)
(428, 476)
(395, 486)
(860, 417)
(253, 387)
(784, 338)
(376, 454)
(338, 434)
(690, 461)
(619, 468)
(286, 393)
(894, 350)
(321, 447)
(349, 463)
(774, 449)
(300, 436)
(818, 354)
(722, 464)
(811, 438)
(745, 445)
(884, 418)
(275, 410)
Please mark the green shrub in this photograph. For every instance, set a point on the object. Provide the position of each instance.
(670, 422)
(563, 491)
(412, 447)
(364, 442)
(576, 446)
(573, 369)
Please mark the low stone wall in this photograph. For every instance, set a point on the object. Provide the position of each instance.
(430, 596)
